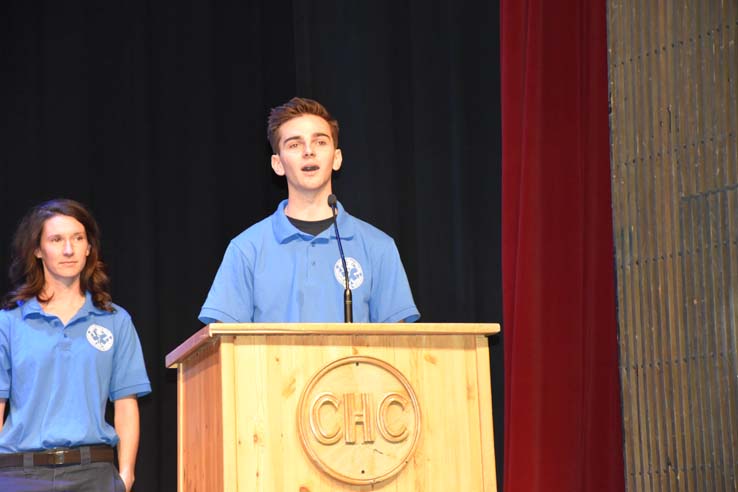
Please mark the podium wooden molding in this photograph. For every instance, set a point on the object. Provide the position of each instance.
(273, 407)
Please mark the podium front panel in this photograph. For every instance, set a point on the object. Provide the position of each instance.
(318, 413)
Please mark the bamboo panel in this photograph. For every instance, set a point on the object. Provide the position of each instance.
(672, 75)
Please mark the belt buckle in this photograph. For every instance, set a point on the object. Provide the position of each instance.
(56, 457)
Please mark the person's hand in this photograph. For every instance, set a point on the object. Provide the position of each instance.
(127, 477)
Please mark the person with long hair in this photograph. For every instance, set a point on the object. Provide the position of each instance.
(65, 349)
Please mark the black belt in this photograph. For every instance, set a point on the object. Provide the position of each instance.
(57, 457)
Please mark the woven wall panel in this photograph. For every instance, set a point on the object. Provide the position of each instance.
(673, 70)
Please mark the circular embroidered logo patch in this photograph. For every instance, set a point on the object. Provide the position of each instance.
(100, 337)
(356, 274)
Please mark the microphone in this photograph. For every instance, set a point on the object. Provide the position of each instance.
(348, 314)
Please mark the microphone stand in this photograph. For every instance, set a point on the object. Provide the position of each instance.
(348, 315)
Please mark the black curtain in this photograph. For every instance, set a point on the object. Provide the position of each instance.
(153, 113)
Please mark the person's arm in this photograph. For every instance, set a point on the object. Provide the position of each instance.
(5, 365)
(2, 412)
(126, 422)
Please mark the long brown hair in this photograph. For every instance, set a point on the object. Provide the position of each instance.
(26, 272)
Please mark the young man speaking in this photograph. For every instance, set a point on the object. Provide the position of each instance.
(287, 267)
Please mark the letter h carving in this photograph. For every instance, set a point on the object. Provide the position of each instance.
(353, 416)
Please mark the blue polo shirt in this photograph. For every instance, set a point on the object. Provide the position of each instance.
(58, 378)
(273, 272)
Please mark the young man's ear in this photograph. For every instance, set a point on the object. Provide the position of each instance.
(337, 159)
(277, 165)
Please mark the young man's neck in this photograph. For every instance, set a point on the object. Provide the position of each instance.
(309, 207)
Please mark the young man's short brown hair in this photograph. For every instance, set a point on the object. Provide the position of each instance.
(295, 107)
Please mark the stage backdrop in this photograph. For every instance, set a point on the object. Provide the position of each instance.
(562, 397)
(153, 113)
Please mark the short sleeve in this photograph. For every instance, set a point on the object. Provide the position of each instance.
(231, 297)
(129, 371)
(391, 299)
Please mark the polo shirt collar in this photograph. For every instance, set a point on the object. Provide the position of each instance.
(32, 306)
(284, 230)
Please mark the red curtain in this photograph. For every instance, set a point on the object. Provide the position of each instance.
(563, 429)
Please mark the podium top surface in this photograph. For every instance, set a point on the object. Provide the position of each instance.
(235, 329)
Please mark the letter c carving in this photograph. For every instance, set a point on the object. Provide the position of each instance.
(320, 434)
(399, 434)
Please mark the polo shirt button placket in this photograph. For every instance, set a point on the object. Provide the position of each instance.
(59, 324)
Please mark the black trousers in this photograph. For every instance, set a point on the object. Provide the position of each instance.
(93, 477)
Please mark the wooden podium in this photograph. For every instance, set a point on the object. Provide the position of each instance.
(335, 407)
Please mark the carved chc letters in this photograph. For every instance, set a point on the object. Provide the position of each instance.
(359, 420)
